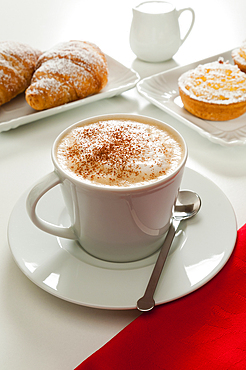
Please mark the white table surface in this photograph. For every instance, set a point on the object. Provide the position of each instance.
(38, 330)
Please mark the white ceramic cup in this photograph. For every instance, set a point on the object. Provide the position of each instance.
(117, 224)
(155, 31)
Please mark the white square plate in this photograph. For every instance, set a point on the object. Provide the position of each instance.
(162, 90)
(17, 112)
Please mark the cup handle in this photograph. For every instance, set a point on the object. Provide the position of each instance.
(192, 21)
(45, 184)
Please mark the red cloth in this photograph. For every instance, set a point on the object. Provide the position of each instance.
(205, 330)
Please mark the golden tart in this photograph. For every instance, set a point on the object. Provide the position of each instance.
(214, 91)
(239, 57)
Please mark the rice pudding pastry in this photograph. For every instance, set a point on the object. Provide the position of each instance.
(214, 91)
(239, 57)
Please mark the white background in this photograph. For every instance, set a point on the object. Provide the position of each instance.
(38, 330)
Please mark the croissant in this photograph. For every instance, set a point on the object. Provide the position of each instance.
(67, 72)
(17, 64)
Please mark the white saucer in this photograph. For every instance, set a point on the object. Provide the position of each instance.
(200, 250)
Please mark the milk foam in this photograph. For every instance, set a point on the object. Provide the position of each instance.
(119, 153)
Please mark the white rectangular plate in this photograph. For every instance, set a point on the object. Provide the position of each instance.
(162, 91)
(17, 112)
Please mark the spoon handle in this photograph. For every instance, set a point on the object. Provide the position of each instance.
(146, 303)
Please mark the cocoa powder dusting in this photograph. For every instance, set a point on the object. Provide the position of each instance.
(120, 153)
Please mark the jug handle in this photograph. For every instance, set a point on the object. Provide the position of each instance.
(192, 21)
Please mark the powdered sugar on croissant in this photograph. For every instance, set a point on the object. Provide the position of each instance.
(67, 72)
(17, 64)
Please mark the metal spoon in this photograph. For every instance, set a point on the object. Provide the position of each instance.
(187, 205)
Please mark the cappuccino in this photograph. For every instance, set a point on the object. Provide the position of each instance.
(120, 152)
(108, 168)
